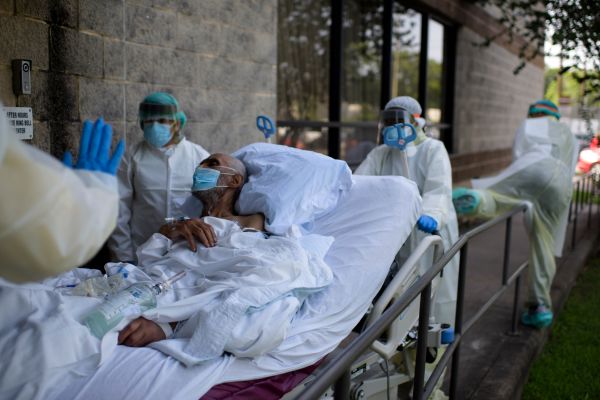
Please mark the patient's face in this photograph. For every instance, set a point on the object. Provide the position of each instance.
(215, 161)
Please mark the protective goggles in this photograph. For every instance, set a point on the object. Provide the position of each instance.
(157, 112)
(394, 116)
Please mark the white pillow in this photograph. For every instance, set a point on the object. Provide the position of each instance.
(290, 186)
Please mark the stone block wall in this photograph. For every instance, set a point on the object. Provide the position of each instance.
(490, 101)
(92, 58)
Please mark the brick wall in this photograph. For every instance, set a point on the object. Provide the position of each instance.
(479, 164)
(490, 101)
(91, 58)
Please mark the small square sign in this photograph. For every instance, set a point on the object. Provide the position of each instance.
(21, 120)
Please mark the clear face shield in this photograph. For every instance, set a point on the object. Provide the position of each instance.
(161, 113)
(396, 128)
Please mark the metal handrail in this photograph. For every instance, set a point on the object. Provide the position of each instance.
(342, 362)
(585, 183)
(301, 123)
(337, 369)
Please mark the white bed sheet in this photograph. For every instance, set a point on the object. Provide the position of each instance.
(369, 225)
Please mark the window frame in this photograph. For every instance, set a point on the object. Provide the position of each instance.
(334, 123)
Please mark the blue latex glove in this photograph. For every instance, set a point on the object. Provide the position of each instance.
(94, 149)
(427, 224)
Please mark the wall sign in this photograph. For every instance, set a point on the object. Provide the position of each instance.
(21, 120)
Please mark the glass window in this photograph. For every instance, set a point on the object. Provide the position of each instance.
(306, 138)
(435, 62)
(406, 47)
(303, 87)
(303, 59)
(357, 142)
(361, 79)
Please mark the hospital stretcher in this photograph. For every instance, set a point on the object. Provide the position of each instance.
(387, 366)
(369, 225)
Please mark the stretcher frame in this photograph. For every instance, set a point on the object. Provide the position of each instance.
(369, 379)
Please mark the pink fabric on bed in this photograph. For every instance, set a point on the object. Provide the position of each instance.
(273, 387)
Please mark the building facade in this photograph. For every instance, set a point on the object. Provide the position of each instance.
(323, 68)
(339, 62)
(95, 58)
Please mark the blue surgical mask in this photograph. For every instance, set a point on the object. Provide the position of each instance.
(207, 178)
(157, 134)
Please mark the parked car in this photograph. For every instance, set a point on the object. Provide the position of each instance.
(589, 160)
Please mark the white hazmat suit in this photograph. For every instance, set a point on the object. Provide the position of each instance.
(544, 159)
(153, 184)
(52, 218)
(429, 168)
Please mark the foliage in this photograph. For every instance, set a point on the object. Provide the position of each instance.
(578, 90)
(303, 53)
(361, 74)
(572, 83)
(572, 25)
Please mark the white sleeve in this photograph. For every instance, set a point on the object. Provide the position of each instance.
(372, 164)
(437, 187)
(120, 242)
(52, 218)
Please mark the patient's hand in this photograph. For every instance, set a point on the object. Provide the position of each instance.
(191, 230)
(141, 332)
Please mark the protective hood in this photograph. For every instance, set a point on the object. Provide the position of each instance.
(543, 136)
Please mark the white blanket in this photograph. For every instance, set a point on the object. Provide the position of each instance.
(247, 281)
(239, 297)
(369, 226)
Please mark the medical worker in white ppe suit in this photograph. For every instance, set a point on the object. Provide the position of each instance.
(544, 158)
(155, 178)
(429, 168)
(54, 218)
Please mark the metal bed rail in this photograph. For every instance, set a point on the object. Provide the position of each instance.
(337, 371)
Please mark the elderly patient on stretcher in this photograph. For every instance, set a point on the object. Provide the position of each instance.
(241, 290)
(242, 287)
(217, 184)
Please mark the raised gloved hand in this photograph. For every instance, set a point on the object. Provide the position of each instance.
(427, 224)
(94, 149)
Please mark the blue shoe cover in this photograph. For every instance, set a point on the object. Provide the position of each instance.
(465, 200)
(538, 317)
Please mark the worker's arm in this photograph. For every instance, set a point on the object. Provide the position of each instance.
(373, 164)
(53, 218)
(437, 187)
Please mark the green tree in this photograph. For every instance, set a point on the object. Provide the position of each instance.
(572, 25)
(573, 87)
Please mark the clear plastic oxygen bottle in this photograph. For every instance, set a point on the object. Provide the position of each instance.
(134, 299)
